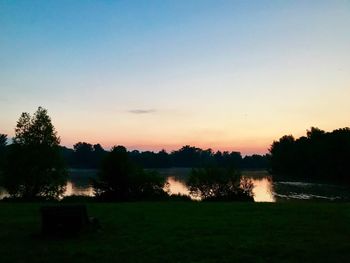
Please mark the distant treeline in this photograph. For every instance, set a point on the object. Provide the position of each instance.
(318, 156)
(89, 156)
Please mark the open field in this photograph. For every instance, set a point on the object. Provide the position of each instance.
(186, 232)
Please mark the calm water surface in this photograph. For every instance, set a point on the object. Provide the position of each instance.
(262, 188)
(265, 190)
(176, 183)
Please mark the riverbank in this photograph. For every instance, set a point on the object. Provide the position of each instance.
(186, 232)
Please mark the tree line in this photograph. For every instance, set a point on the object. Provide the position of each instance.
(89, 156)
(318, 156)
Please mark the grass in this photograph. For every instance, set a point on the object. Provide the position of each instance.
(186, 232)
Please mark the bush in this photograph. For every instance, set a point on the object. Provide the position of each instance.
(121, 180)
(219, 184)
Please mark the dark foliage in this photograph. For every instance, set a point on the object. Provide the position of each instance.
(89, 156)
(3, 140)
(254, 162)
(121, 180)
(33, 166)
(150, 159)
(219, 184)
(3, 143)
(83, 155)
(318, 156)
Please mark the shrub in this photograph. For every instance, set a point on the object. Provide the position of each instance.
(219, 184)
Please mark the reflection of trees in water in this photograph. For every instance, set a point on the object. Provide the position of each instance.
(3, 193)
(78, 189)
(176, 186)
(263, 189)
(301, 190)
(80, 182)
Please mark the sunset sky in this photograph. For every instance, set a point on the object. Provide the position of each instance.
(228, 75)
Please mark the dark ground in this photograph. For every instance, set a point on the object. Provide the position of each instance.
(185, 232)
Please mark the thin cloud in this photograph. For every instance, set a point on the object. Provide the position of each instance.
(141, 111)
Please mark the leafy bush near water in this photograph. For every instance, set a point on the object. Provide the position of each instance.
(220, 184)
(121, 180)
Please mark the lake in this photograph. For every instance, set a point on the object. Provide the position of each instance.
(265, 190)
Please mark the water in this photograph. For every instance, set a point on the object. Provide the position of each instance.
(3, 193)
(78, 189)
(265, 190)
(310, 191)
(176, 183)
(262, 189)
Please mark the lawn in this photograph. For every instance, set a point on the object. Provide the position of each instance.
(186, 232)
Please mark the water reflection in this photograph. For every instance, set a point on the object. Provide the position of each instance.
(263, 188)
(176, 186)
(310, 191)
(78, 189)
(3, 193)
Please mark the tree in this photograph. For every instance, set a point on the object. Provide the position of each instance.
(319, 156)
(83, 154)
(86, 155)
(34, 167)
(3, 143)
(121, 180)
(187, 156)
(219, 184)
(283, 155)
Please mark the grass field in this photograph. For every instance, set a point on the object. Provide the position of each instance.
(186, 232)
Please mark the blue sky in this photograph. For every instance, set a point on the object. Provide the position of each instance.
(152, 74)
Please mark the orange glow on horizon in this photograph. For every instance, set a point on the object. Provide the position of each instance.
(244, 149)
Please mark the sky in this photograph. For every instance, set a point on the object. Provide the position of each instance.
(226, 75)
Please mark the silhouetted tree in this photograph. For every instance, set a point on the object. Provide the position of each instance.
(83, 154)
(187, 156)
(67, 155)
(318, 156)
(254, 161)
(120, 179)
(228, 159)
(99, 153)
(3, 140)
(87, 155)
(3, 143)
(163, 159)
(219, 184)
(34, 166)
(283, 155)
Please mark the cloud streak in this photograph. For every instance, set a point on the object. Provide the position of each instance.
(142, 111)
